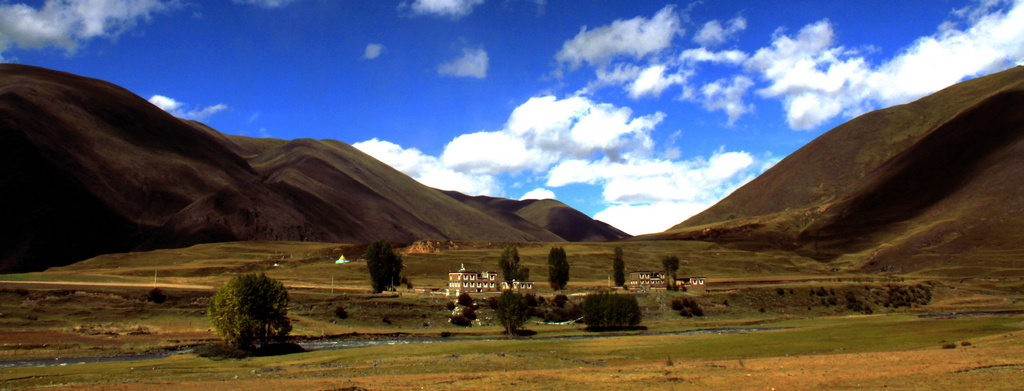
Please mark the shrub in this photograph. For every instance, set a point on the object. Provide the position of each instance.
(469, 313)
(965, 343)
(386, 320)
(605, 309)
(340, 312)
(250, 309)
(446, 334)
(677, 305)
(157, 296)
(449, 305)
(465, 299)
(461, 320)
(492, 302)
(531, 300)
(560, 300)
(949, 345)
(780, 291)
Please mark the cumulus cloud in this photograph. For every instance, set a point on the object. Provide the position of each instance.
(428, 170)
(714, 34)
(637, 37)
(454, 9)
(539, 193)
(652, 81)
(179, 109)
(650, 195)
(818, 80)
(727, 95)
(473, 63)
(373, 51)
(265, 3)
(66, 23)
(545, 129)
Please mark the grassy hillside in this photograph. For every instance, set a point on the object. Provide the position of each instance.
(895, 189)
(94, 169)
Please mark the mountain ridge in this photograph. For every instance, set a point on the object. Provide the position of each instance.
(95, 169)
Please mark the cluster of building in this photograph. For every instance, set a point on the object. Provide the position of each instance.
(645, 280)
(487, 282)
(476, 282)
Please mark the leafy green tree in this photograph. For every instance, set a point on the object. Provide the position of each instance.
(511, 311)
(671, 265)
(384, 265)
(510, 267)
(604, 309)
(558, 268)
(249, 310)
(619, 267)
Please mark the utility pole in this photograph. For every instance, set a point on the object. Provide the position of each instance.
(154, 277)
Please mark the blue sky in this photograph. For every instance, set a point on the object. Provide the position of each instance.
(639, 113)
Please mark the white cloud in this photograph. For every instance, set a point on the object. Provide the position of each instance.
(428, 170)
(818, 80)
(373, 51)
(65, 23)
(731, 57)
(649, 218)
(539, 193)
(652, 81)
(544, 130)
(451, 8)
(727, 96)
(179, 109)
(637, 37)
(265, 3)
(713, 34)
(473, 63)
(651, 195)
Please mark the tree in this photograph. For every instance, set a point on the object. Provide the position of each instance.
(619, 267)
(510, 267)
(671, 265)
(558, 268)
(384, 265)
(249, 310)
(511, 311)
(606, 309)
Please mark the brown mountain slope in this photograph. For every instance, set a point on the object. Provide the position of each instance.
(91, 168)
(545, 215)
(936, 181)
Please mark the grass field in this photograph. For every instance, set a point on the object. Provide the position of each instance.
(98, 308)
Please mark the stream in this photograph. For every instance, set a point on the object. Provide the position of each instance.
(335, 344)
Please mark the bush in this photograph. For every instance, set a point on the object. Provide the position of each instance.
(340, 313)
(446, 334)
(461, 320)
(157, 296)
(531, 300)
(250, 309)
(560, 300)
(677, 305)
(465, 299)
(469, 313)
(386, 320)
(949, 345)
(492, 302)
(449, 305)
(605, 309)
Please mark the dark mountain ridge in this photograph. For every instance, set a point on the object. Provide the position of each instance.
(91, 168)
(936, 182)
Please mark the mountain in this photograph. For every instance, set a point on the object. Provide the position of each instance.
(936, 183)
(551, 215)
(90, 168)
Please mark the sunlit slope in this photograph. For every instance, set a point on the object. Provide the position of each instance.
(896, 189)
(93, 169)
